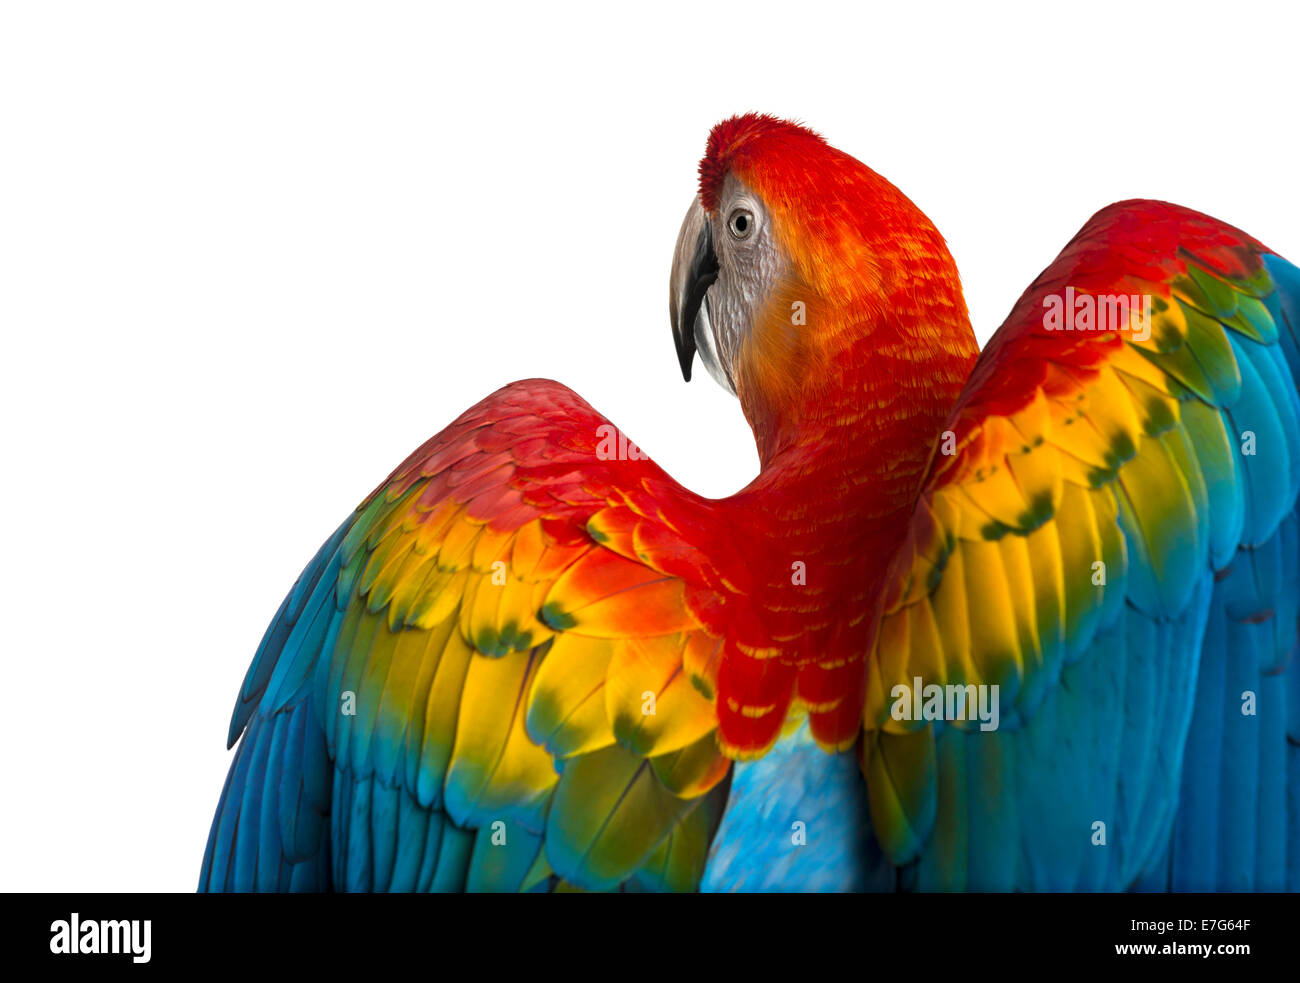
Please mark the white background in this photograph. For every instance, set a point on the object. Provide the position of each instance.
(252, 254)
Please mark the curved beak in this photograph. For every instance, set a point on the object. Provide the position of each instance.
(695, 267)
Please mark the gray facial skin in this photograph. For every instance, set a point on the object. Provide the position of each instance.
(734, 257)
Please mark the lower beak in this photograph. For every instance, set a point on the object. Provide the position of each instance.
(695, 267)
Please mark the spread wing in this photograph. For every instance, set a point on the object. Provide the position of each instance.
(491, 676)
(1108, 534)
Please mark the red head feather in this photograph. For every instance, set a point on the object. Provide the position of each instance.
(867, 269)
(849, 232)
(736, 141)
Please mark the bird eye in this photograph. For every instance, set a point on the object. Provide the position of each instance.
(741, 223)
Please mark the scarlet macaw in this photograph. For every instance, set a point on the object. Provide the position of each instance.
(532, 660)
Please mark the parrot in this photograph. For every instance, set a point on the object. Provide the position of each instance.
(1019, 619)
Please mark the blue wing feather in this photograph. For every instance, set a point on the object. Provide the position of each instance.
(270, 831)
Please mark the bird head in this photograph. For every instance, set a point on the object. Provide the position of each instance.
(798, 269)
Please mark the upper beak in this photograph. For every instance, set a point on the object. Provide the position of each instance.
(695, 267)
